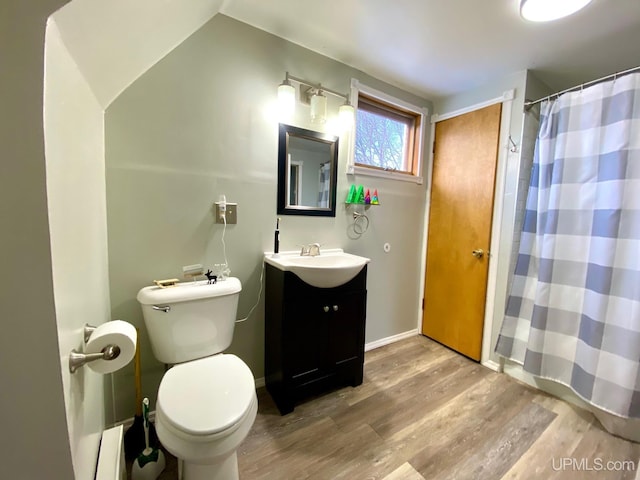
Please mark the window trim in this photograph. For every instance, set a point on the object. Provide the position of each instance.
(421, 112)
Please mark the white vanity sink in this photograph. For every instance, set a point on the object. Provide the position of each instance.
(331, 268)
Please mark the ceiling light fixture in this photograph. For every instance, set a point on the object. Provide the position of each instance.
(547, 10)
(317, 100)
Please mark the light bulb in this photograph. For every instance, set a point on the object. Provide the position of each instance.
(547, 10)
(318, 107)
(286, 99)
(346, 114)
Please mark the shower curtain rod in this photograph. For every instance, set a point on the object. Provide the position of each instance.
(529, 104)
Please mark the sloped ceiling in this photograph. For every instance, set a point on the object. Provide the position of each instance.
(434, 48)
(113, 42)
(437, 48)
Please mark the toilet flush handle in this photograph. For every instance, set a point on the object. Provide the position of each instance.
(163, 308)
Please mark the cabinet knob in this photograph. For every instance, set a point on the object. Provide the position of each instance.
(325, 308)
(335, 308)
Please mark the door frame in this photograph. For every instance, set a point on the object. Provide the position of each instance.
(497, 277)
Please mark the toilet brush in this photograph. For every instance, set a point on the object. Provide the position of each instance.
(150, 463)
(134, 437)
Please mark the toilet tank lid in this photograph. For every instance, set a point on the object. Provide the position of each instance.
(186, 291)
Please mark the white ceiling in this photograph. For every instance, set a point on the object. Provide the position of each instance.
(114, 42)
(437, 48)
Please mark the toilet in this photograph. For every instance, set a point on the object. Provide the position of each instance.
(207, 401)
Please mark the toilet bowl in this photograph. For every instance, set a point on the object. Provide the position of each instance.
(207, 401)
(205, 409)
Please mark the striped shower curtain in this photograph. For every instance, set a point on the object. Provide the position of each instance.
(573, 315)
(324, 178)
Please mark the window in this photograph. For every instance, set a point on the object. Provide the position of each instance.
(388, 137)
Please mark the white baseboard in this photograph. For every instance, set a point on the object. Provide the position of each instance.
(392, 339)
(260, 382)
(495, 366)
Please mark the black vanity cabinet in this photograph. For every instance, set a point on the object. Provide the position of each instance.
(314, 337)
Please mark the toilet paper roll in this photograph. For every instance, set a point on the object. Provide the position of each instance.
(115, 332)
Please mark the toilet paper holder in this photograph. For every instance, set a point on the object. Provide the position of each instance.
(78, 359)
(87, 331)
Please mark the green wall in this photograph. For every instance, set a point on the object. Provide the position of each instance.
(200, 123)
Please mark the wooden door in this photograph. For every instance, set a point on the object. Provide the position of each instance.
(464, 169)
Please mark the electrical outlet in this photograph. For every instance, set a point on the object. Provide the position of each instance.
(231, 214)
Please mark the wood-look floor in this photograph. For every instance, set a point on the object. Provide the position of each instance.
(423, 413)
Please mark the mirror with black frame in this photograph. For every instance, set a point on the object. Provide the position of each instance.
(307, 172)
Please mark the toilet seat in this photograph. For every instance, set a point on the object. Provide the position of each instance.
(206, 397)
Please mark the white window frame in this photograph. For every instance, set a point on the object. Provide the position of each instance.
(352, 168)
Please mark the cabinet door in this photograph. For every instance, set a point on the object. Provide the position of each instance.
(306, 340)
(346, 328)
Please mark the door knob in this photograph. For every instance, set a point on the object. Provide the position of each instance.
(478, 253)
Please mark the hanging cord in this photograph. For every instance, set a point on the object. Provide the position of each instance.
(257, 300)
(226, 267)
(223, 270)
(224, 245)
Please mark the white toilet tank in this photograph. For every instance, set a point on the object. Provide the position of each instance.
(190, 320)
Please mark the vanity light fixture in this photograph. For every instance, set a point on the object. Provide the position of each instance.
(286, 98)
(346, 115)
(547, 10)
(315, 96)
(318, 107)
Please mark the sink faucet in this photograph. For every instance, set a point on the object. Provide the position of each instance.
(314, 249)
(311, 250)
